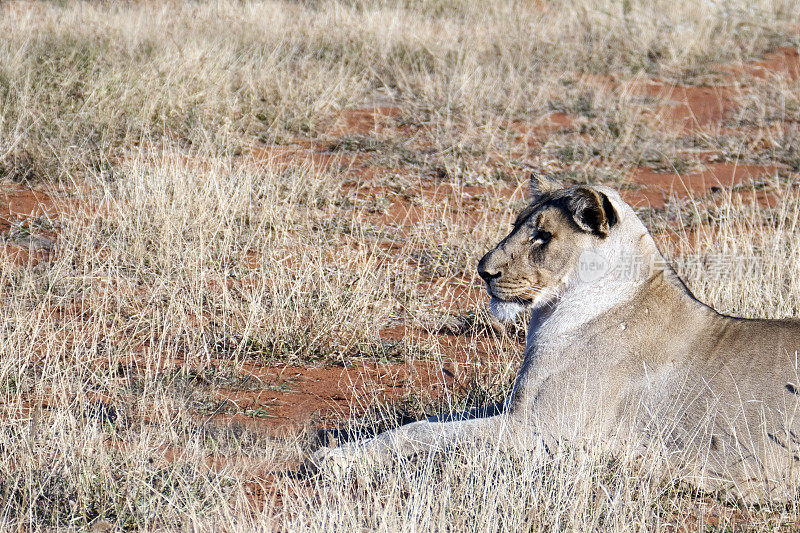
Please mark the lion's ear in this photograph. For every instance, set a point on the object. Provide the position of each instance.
(540, 184)
(592, 211)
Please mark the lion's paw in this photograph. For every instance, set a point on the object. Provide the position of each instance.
(338, 461)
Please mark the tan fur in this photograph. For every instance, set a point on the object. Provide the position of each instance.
(628, 353)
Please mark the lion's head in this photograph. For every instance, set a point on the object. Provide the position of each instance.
(543, 252)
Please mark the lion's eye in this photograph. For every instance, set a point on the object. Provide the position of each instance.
(541, 237)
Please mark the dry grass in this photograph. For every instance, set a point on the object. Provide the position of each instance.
(186, 249)
(83, 83)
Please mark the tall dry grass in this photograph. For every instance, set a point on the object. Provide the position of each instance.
(182, 252)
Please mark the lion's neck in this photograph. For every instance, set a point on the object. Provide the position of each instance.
(590, 294)
(573, 311)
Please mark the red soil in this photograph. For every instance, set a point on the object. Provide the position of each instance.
(315, 394)
(697, 107)
(18, 202)
(657, 187)
(784, 61)
(19, 206)
(366, 121)
(688, 107)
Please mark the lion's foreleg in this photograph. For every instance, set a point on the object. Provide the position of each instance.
(415, 438)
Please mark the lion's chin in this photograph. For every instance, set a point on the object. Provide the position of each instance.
(505, 311)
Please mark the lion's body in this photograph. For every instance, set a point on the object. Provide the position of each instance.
(717, 393)
(617, 346)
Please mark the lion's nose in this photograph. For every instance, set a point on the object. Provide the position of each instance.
(487, 273)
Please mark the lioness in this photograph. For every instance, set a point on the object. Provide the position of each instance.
(617, 344)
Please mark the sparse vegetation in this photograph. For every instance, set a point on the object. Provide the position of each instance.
(222, 211)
